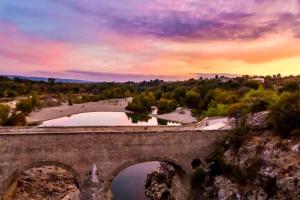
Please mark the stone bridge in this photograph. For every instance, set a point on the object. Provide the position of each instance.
(110, 149)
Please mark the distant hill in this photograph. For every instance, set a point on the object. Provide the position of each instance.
(58, 80)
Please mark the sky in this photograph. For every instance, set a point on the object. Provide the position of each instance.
(122, 40)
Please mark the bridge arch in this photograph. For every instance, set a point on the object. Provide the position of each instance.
(11, 182)
(180, 169)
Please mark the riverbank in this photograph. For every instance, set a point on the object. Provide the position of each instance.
(113, 105)
(180, 115)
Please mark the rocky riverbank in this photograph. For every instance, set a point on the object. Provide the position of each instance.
(158, 183)
(264, 167)
(45, 183)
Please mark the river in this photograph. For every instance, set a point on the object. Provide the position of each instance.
(129, 183)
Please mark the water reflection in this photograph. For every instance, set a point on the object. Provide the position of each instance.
(107, 119)
(130, 183)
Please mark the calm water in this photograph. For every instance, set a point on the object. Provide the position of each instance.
(130, 183)
(106, 119)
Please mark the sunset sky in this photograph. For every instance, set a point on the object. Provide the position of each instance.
(140, 39)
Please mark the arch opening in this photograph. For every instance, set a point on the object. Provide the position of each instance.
(154, 174)
(43, 180)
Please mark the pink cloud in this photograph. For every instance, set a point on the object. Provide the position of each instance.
(29, 51)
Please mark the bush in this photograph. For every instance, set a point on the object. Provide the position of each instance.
(25, 106)
(259, 100)
(11, 94)
(237, 110)
(285, 114)
(219, 110)
(16, 119)
(4, 113)
(239, 134)
(166, 106)
(28, 105)
(198, 177)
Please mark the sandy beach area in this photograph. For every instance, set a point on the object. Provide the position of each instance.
(181, 115)
(113, 105)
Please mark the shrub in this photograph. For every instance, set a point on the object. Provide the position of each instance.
(239, 133)
(237, 110)
(198, 177)
(219, 110)
(260, 99)
(16, 119)
(24, 106)
(285, 114)
(28, 105)
(11, 93)
(4, 113)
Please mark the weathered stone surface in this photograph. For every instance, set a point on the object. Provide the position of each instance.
(45, 183)
(258, 121)
(159, 183)
(278, 175)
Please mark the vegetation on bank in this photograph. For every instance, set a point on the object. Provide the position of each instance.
(219, 96)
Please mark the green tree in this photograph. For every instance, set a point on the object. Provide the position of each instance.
(166, 106)
(215, 111)
(260, 99)
(285, 114)
(192, 99)
(291, 86)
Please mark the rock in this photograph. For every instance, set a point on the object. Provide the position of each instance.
(276, 162)
(158, 183)
(47, 182)
(296, 148)
(258, 121)
(225, 189)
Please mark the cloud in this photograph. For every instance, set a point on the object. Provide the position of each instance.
(191, 20)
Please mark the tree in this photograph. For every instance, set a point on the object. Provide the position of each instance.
(51, 80)
(192, 99)
(166, 106)
(291, 86)
(142, 103)
(285, 114)
(260, 99)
